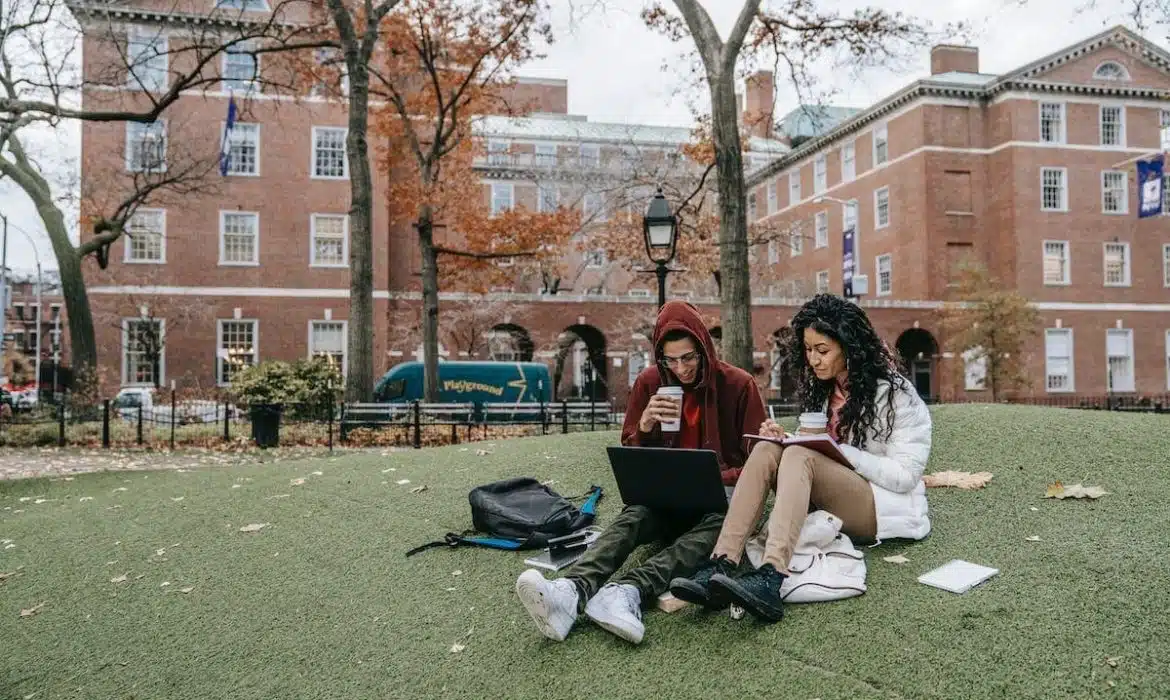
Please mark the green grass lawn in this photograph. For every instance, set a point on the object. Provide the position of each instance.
(323, 604)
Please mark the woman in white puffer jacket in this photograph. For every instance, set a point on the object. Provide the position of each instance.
(884, 431)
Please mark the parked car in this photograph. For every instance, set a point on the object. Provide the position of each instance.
(129, 399)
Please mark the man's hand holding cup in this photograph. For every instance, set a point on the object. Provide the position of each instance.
(665, 409)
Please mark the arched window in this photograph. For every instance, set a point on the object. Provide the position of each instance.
(1111, 70)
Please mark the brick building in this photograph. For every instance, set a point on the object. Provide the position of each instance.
(257, 269)
(25, 321)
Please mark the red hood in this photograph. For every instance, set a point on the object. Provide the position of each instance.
(681, 315)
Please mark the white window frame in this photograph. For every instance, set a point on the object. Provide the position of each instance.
(547, 198)
(239, 84)
(822, 229)
(593, 213)
(794, 194)
(888, 289)
(1124, 77)
(820, 173)
(773, 253)
(877, 199)
(241, 132)
(546, 155)
(223, 214)
(595, 259)
(1062, 126)
(1126, 263)
(1123, 192)
(162, 355)
(1129, 386)
(1066, 270)
(1071, 375)
(849, 161)
(589, 155)
(313, 323)
(822, 281)
(1164, 130)
(128, 249)
(795, 244)
(854, 207)
(752, 213)
(137, 132)
(219, 324)
(1121, 136)
(317, 132)
(639, 293)
(1166, 265)
(500, 187)
(773, 199)
(313, 261)
(149, 72)
(881, 135)
(1063, 206)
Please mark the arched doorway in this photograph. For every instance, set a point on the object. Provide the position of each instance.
(917, 349)
(507, 342)
(581, 369)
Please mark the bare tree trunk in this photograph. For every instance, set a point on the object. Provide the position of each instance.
(430, 301)
(359, 382)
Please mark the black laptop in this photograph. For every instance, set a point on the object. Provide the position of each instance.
(669, 478)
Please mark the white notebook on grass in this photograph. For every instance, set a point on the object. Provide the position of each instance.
(957, 576)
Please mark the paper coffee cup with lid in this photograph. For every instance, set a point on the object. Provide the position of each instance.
(676, 393)
(813, 423)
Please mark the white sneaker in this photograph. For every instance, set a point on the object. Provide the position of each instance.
(552, 604)
(617, 607)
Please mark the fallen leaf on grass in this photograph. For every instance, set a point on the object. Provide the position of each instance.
(318, 473)
(121, 488)
(33, 610)
(896, 559)
(254, 527)
(402, 482)
(962, 480)
(85, 498)
(452, 588)
(419, 489)
(164, 584)
(297, 482)
(1034, 509)
(9, 546)
(6, 575)
(280, 495)
(457, 647)
(1059, 490)
(120, 579)
(159, 552)
(236, 486)
(456, 572)
(1033, 538)
(1113, 660)
(391, 469)
(176, 499)
(188, 589)
(481, 453)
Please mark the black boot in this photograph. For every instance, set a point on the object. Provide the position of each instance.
(758, 592)
(696, 588)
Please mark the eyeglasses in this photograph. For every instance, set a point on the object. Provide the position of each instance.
(687, 359)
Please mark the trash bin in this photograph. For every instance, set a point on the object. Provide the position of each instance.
(265, 424)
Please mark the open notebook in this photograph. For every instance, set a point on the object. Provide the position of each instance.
(822, 443)
(957, 576)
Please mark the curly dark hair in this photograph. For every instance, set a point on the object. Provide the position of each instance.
(867, 360)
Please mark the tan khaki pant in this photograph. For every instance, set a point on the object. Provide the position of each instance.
(800, 477)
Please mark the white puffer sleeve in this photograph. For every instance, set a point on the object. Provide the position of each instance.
(904, 455)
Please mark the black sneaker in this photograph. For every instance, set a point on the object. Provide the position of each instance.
(756, 591)
(696, 588)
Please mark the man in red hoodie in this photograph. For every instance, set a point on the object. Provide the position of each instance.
(720, 404)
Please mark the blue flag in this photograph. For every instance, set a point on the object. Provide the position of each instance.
(1150, 184)
(225, 149)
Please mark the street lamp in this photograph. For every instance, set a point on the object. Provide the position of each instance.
(660, 229)
(853, 285)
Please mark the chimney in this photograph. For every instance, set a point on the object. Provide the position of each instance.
(758, 116)
(945, 58)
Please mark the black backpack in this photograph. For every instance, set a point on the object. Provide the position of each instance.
(520, 513)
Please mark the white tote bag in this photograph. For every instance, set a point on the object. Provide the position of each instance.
(824, 566)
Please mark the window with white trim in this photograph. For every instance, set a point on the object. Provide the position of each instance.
(595, 258)
(795, 243)
(241, 68)
(751, 205)
(1056, 263)
(849, 218)
(1112, 125)
(822, 229)
(885, 277)
(1053, 189)
(499, 153)
(329, 160)
(974, 369)
(330, 240)
(772, 198)
(502, 197)
(327, 340)
(236, 348)
(773, 253)
(822, 282)
(1117, 266)
(1114, 194)
(1058, 360)
(143, 348)
(881, 145)
(147, 55)
(146, 146)
(1166, 194)
(881, 207)
(546, 197)
(589, 155)
(820, 173)
(253, 5)
(794, 188)
(1119, 351)
(546, 154)
(1166, 264)
(1111, 70)
(593, 207)
(239, 234)
(1164, 129)
(244, 149)
(146, 236)
(1052, 125)
(849, 161)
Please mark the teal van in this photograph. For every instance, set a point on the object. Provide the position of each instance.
(464, 382)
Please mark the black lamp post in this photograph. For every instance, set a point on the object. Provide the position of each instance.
(660, 228)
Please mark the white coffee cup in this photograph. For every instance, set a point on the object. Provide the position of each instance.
(813, 423)
(674, 392)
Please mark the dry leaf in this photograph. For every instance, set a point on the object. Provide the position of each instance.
(1059, 490)
(481, 453)
(456, 572)
(9, 546)
(962, 480)
(85, 498)
(6, 575)
(176, 499)
(164, 584)
(33, 610)
(391, 469)
(120, 579)
(1033, 538)
(1112, 660)
(402, 482)
(452, 588)
(419, 489)
(188, 589)
(318, 473)
(297, 482)
(235, 486)
(896, 559)
(121, 488)
(1034, 509)
(457, 647)
(1111, 684)
(254, 527)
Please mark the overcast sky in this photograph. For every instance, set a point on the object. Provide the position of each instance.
(615, 69)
